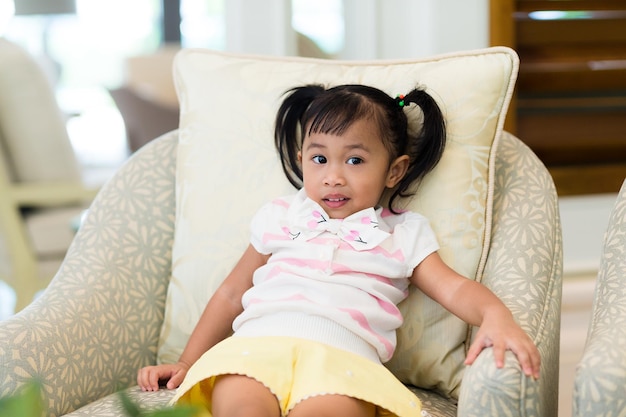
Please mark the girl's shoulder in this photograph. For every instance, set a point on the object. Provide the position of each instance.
(267, 224)
(275, 208)
(404, 219)
(411, 232)
(281, 203)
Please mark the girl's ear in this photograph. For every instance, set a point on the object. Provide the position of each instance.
(397, 171)
(300, 156)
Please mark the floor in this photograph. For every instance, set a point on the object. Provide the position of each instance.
(575, 315)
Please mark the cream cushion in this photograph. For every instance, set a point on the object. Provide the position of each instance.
(32, 127)
(227, 168)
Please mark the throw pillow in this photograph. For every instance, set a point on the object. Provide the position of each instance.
(227, 168)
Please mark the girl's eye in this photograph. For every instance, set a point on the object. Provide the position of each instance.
(354, 161)
(319, 159)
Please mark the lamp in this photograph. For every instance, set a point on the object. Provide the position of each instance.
(44, 7)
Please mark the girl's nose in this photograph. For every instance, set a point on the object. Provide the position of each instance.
(334, 177)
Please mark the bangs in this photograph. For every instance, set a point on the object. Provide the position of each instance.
(334, 115)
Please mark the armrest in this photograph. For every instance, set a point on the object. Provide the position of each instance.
(524, 269)
(601, 373)
(491, 391)
(50, 194)
(100, 318)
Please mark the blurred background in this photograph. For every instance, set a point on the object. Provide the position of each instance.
(85, 45)
(109, 64)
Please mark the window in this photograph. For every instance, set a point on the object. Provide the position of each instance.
(322, 21)
(203, 24)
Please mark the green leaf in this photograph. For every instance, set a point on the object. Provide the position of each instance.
(131, 409)
(26, 403)
(176, 411)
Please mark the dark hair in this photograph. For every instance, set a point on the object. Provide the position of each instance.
(316, 109)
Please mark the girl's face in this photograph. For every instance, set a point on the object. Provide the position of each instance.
(348, 173)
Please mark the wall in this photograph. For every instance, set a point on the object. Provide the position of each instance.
(414, 28)
(374, 28)
(584, 220)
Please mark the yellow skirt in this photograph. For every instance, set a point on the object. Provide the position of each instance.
(294, 369)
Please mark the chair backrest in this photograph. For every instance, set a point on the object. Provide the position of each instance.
(150, 76)
(144, 119)
(33, 136)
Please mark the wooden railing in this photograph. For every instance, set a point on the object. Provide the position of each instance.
(570, 104)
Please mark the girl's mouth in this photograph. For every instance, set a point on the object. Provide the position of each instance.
(335, 202)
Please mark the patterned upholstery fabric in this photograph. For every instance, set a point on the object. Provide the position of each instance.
(600, 384)
(99, 320)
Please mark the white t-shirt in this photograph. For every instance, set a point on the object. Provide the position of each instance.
(337, 281)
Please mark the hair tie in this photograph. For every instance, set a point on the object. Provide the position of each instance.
(400, 100)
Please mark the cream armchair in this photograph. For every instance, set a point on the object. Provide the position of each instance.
(600, 383)
(101, 317)
(41, 187)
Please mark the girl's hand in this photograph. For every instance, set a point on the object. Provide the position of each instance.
(148, 378)
(504, 334)
(214, 324)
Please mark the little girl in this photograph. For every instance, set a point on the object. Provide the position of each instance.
(312, 301)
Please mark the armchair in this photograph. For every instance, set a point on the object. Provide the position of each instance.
(600, 382)
(40, 180)
(100, 318)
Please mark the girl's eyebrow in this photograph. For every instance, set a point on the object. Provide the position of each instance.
(315, 145)
(357, 146)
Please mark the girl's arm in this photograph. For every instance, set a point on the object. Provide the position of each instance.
(477, 305)
(214, 325)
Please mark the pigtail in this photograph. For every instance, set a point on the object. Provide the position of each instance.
(426, 149)
(288, 129)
